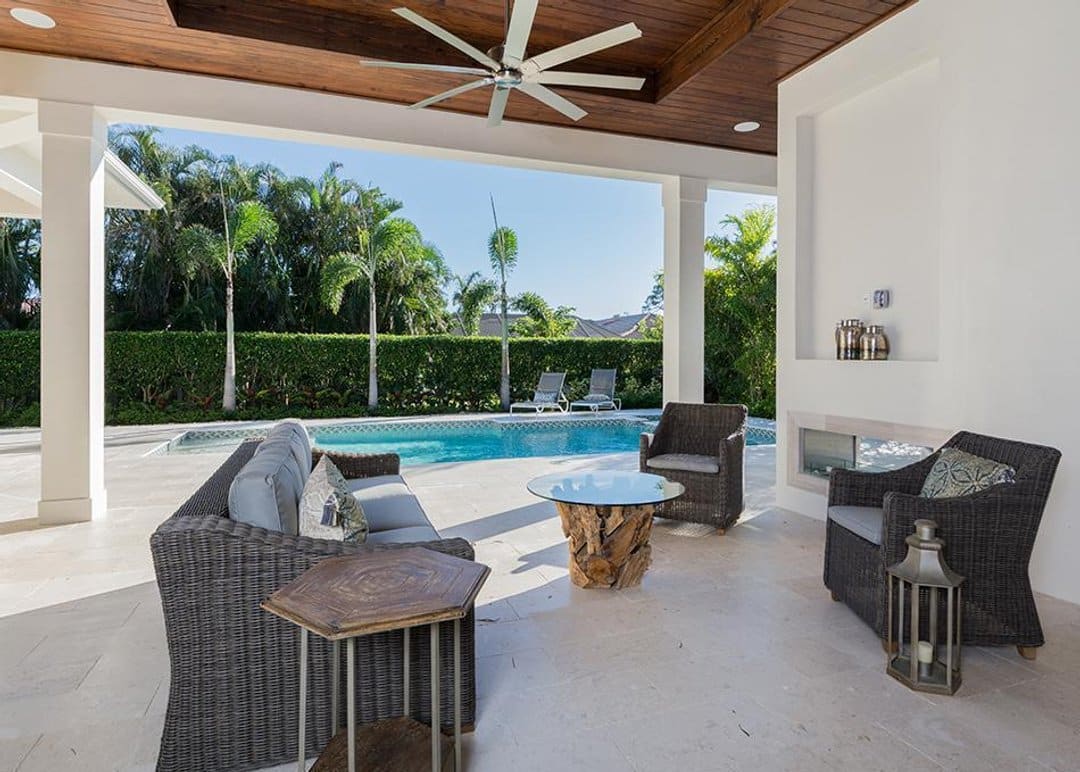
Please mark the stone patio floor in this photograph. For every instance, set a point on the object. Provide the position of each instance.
(731, 656)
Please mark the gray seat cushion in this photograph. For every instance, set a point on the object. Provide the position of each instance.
(361, 483)
(866, 522)
(266, 491)
(403, 535)
(684, 462)
(388, 503)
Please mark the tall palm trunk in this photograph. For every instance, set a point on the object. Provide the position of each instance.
(228, 400)
(504, 382)
(228, 391)
(373, 362)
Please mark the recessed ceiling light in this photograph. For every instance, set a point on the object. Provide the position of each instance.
(32, 18)
(747, 126)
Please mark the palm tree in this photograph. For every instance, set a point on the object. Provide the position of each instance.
(503, 251)
(20, 269)
(148, 286)
(474, 293)
(412, 301)
(325, 216)
(541, 320)
(380, 238)
(753, 230)
(248, 222)
(747, 261)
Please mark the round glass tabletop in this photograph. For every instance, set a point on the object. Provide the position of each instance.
(606, 489)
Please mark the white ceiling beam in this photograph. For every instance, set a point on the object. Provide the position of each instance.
(16, 131)
(28, 194)
(136, 194)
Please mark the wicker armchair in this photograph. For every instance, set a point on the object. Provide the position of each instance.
(700, 446)
(988, 539)
(233, 685)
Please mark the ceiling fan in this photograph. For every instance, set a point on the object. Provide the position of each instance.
(506, 68)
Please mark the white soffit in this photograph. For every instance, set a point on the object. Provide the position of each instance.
(20, 172)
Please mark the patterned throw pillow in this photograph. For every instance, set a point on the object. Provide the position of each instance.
(545, 397)
(957, 473)
(328, 510)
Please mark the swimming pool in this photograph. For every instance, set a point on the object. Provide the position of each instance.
(427, 441)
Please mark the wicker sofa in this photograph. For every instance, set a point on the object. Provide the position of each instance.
(988, 538)
(233, 694)
(700, 446)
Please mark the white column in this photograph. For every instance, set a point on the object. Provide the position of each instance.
(684, 289)
(72, 313)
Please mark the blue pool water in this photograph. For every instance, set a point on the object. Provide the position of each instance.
(427, 441)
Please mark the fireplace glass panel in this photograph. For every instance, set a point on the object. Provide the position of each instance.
(822, 451)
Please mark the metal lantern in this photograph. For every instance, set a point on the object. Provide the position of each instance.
(923, 593)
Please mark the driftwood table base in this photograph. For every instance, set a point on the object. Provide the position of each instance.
(609, 546)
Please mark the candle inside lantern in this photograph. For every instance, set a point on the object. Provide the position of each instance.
(925, 654)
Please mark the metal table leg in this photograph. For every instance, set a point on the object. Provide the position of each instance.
(335, 689)
(301, 739)
(457, 695)
(350, 700)
(436, 720)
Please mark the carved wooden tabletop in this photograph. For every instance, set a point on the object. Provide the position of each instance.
(381, 590)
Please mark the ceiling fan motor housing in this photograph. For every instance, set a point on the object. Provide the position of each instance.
(507, 77)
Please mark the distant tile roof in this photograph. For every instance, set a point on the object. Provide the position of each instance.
(622, 326)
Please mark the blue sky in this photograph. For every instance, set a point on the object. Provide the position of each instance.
(586, 242)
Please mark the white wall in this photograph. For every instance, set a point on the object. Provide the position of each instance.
(973, 104)
(854, 148)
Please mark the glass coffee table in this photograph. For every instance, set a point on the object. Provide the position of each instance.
(607, 517)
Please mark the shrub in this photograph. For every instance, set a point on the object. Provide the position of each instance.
(164, 377)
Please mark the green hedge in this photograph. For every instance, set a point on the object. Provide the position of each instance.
(157, 377)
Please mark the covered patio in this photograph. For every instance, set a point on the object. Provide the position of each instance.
(730, 656)
(900, 141)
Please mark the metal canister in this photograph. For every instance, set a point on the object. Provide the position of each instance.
(853, 329)
(839, 336)
(874, 343)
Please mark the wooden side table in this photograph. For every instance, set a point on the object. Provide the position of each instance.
(395, 589)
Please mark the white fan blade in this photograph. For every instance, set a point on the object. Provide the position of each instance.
(424, 67)
(448, 37)
(451, 93)
(553, 100)
(517, 36)
(585, 46)
(556, 78)
(498, 106)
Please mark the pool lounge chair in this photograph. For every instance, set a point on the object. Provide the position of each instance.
(601, 394)
(548, 395)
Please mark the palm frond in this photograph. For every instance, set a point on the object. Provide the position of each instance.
(338, 273)
(200, 248)
(252, 221)
(503, 248)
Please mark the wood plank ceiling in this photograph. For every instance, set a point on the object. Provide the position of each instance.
(709, 64)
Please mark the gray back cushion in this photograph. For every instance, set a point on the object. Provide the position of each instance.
(266, 492)
(300, 443)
